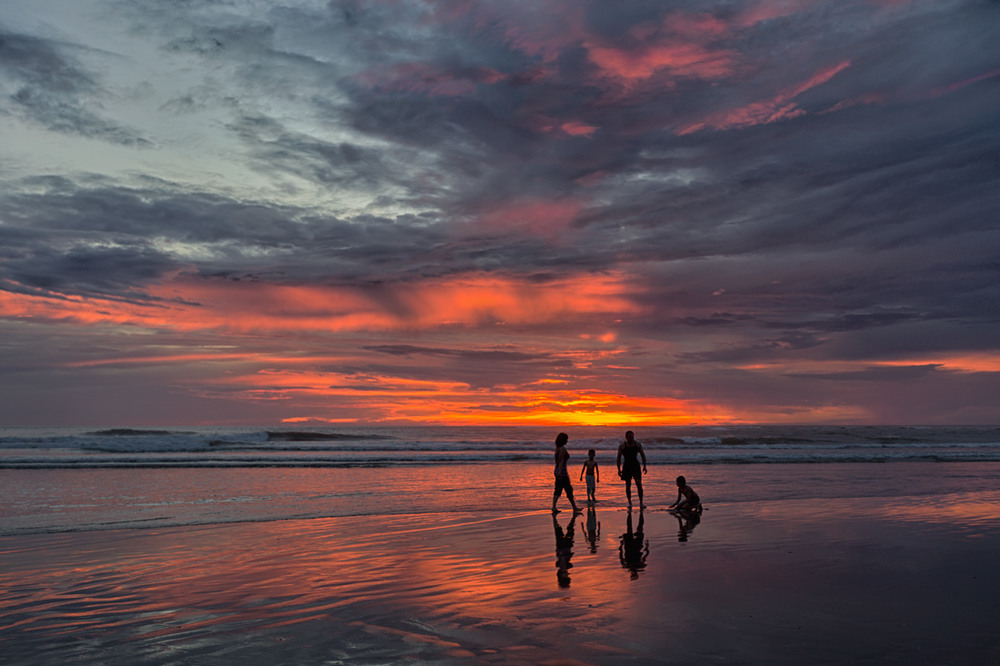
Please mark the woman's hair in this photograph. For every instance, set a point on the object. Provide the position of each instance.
(561, 439)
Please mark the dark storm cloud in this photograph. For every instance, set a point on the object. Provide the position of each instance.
(88, 270)
(495, 355)
(911, 173)
(42, 82)
(795, 184)
(891, 374)
(768, 349)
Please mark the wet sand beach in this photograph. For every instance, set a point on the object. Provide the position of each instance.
(895, 579)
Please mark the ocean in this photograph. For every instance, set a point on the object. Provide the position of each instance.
(82, 479)
(373, 446)
(337, 545)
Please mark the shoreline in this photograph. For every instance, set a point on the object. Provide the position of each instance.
(786, 582)
(65, 501)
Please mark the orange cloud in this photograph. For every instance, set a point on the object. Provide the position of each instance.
(427, 401)
(190, 304)
(957, 362)
(960, 362)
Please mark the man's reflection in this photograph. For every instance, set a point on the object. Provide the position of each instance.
(564, 549)
(592, 529)
(633, 547)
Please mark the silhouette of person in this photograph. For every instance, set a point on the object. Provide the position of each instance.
(686, 522)
(564, 549)
(687, 498)
(630, 451)
(562, 474)
(633, 548)
(592, 529)
(593, 473)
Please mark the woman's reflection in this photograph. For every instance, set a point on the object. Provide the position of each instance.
(633, 547)
(564, 549)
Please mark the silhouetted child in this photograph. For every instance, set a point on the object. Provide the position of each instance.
(687, 498)
(593, 476)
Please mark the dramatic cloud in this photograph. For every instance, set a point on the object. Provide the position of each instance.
(480, 211)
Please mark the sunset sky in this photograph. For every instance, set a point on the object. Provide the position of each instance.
(499, 211)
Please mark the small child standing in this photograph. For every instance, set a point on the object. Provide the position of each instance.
(593, 475)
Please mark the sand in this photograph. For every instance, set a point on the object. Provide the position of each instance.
(901, 579)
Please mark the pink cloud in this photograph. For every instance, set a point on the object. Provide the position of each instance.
(681, 60)
(967, 82)
(544, 29)
(682, 45)
(867, 98)
(766, 10)
(779, 107)
(578, 128)
(696, 27)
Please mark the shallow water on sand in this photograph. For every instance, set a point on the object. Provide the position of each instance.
(58, 500)
(902, 578)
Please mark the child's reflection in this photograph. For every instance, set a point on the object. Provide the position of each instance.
(592, 530)
(564, 549)
(686, 522)
(633, 547)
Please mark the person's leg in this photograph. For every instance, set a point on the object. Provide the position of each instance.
(569, 496)
(555, 495)
(638, 488)
(628, 489)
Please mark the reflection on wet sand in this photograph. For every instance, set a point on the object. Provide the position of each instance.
(633, 547)
(564, 549)
(686, 522)
(447, 588)
(592, 529)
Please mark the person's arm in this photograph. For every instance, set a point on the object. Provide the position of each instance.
(597, 473)
(642, 453)
(619, 461)
(583, 469)
(676, 500)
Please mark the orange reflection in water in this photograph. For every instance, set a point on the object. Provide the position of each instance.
(336, 579)
(953, 509)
